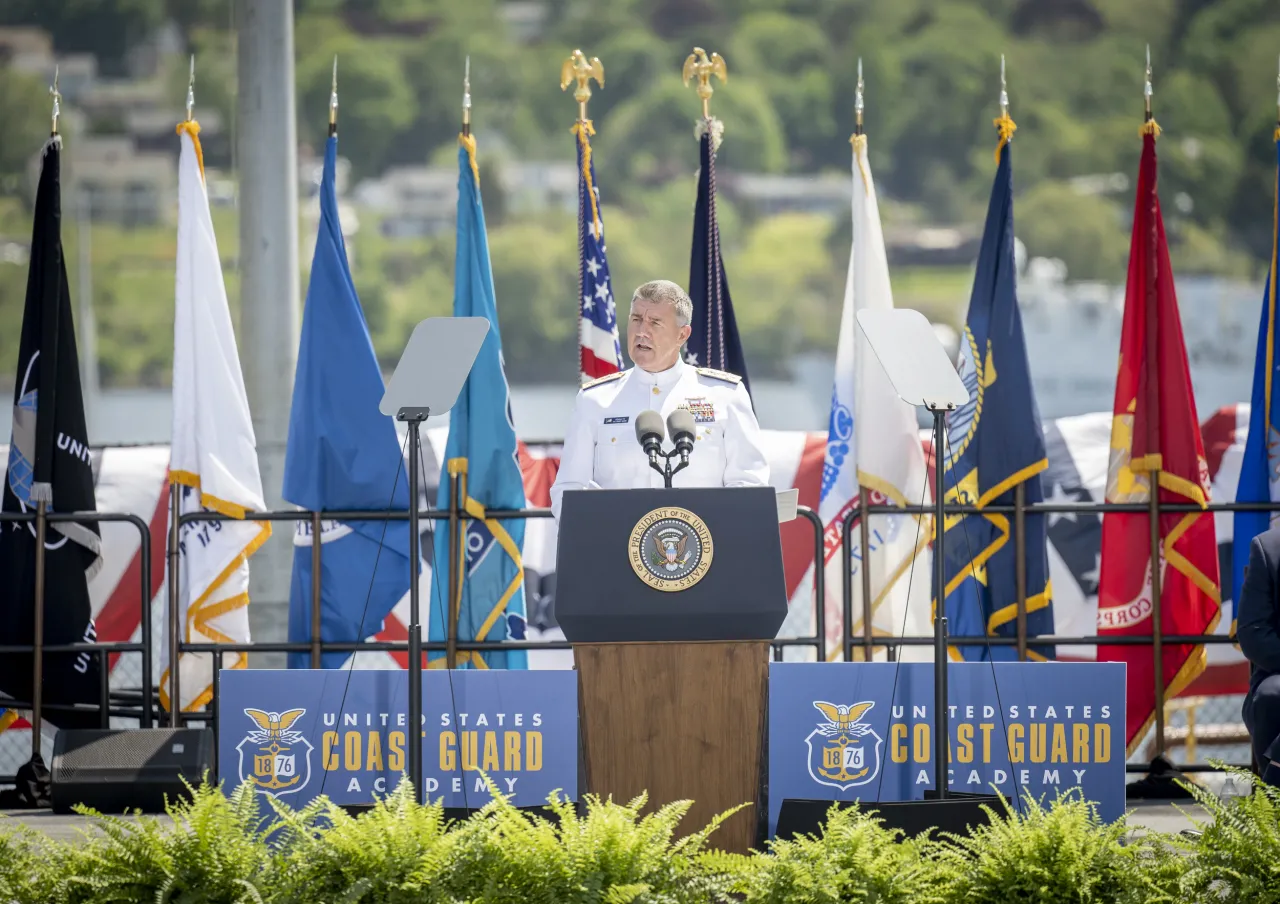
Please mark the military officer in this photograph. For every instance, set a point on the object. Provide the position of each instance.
(600, 447)
(1258, 628)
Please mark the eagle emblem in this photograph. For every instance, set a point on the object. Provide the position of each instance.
(844, 751)
(670, 549)
(275, 758)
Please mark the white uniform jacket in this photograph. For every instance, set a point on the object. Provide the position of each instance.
(601, 450)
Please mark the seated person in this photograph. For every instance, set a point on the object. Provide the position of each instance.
(1258, 630)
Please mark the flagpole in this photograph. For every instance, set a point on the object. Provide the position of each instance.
(859, 139)
(41, 495)
(317, 626)
(175, 514)
(1150, 362)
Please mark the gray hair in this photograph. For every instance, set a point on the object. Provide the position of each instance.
(664, 290)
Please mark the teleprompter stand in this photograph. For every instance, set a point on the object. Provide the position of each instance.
(426, 381)
(908, 349)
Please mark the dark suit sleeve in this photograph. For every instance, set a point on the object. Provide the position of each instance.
(1255, 621)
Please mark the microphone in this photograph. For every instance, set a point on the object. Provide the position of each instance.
(650, 434)
(681, 427)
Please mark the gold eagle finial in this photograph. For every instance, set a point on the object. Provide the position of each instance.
(577, 68)
(703, 67)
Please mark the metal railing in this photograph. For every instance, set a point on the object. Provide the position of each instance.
(456, 519)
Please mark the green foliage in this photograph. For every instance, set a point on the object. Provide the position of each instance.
(220, 849)
(1063, 854)
(1236, 859)
(855, 859)
(214, 853)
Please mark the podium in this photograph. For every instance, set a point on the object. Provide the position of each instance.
(670, 598)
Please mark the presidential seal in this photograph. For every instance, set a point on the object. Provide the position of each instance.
(670, 549)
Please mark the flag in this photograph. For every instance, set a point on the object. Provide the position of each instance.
(600, 352)
(49, 459)
(481, 450)
(713, 340)
(343, 455)
(213, 462)
(1155, 433)
(873, 447)
(1260, 469)
(994, 444)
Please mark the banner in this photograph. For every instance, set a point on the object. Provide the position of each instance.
(864, 731)
(301, 733)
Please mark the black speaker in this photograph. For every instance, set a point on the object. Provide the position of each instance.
(113, 770)
(959, 813)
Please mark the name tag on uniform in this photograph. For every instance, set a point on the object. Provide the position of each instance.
(702, 409)
(617, 420)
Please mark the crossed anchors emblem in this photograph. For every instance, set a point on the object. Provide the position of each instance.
(849, 752)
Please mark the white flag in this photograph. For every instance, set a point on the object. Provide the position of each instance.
(873, 446)
(213, 459)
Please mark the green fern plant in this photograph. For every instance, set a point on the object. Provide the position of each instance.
(30, 865)
(1062, 854)
(855, 859)
(214, 852)
(1236, 858)
(389, 854)
(611, 855)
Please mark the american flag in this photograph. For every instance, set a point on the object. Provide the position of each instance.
(600, 353)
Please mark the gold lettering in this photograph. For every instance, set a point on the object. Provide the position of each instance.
(373, 754)
(447, 742)
(898, 742)
(511, 751)
(490, 752)
(920, 741)
(964, 733)
(1102, 743)
(395, 744)
(1080, 742)
(533, 751)
(1016, 751)
(328, 741)
(470, 750)
(351, 751)
(986, 728)
(1039, 741)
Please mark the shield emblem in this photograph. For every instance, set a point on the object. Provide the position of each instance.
(275, 767)
(843, 760)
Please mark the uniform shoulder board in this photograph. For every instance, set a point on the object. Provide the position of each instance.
(605, 379)
(719, 375)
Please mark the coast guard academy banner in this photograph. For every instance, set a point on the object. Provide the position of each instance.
(864, 731)
(302, 733)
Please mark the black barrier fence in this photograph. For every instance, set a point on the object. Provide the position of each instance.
(121, 703)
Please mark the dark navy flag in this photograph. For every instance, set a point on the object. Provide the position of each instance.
(49, 458)
(714, 340)
(994, 444)
(599, 351)
(1260, 466)
(343, 455)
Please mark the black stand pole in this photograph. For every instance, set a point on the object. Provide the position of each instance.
(414, 417)
(942, 721)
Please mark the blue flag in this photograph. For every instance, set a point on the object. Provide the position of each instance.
(1260, 465)
(482, 450)
(995, 443)
(343, 455)
(713, 341)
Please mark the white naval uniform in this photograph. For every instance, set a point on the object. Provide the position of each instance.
(601, 450)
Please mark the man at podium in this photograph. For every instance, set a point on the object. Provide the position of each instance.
(601, 449)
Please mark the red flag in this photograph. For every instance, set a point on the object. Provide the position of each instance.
(1155, 434)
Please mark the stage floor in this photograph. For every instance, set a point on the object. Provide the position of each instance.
(1160, 816)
